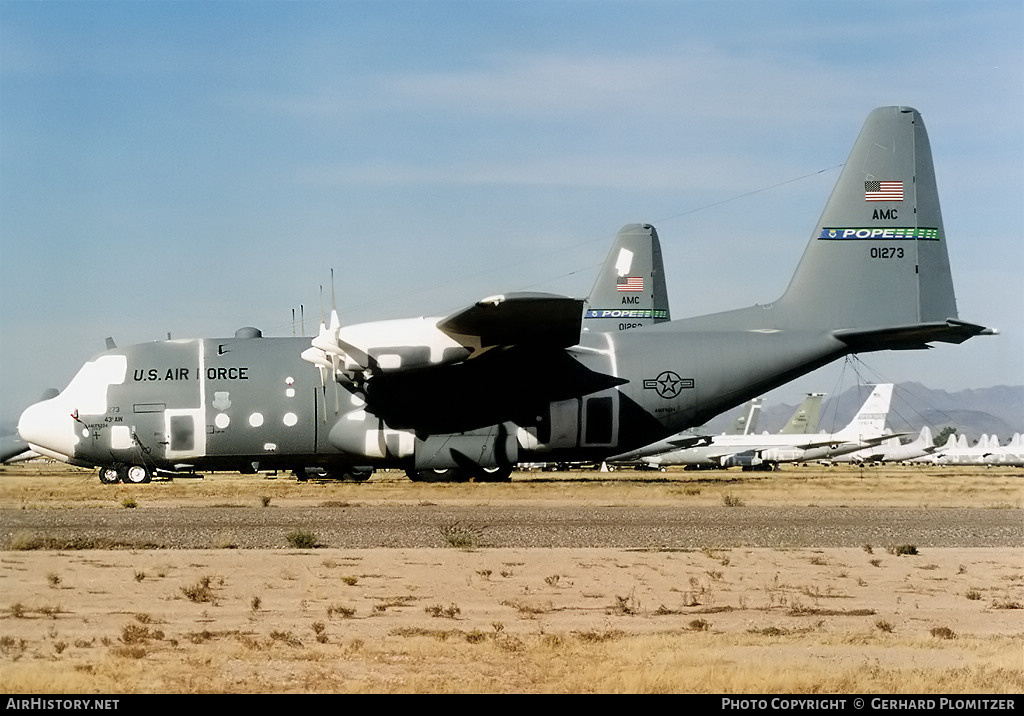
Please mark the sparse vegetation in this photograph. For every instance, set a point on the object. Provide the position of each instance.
(341, 611)
(526, 620)
(943, 632)
(285, 637)
(625, 605)
(903, 549)
(462, 536)
(1006, 604)
(200, 592)
(301, 539)
(451, 611)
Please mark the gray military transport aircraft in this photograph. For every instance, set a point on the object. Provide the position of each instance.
(525, 377)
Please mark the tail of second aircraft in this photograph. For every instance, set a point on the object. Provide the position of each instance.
(876, 270)
(746, 421)
(870, 420)
(630, 291)
(805, 419)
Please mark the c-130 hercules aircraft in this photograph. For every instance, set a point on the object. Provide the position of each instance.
(525, 377)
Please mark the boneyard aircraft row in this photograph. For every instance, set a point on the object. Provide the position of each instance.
(767, 450)
(526, 377)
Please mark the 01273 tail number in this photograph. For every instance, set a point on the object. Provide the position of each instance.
(886, 252)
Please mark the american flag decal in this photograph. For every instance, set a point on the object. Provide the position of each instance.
(883, 191)
(629, 283)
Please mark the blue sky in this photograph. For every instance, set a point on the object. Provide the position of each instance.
(193, 167)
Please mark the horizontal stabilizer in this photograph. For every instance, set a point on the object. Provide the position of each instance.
(912, 336)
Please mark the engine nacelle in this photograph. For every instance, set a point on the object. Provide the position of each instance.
(496, 447)
(744, 459)
(362, 435)
(781, 455)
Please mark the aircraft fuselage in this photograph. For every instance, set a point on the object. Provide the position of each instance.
(253, 402)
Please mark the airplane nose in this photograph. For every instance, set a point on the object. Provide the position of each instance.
(49, 428)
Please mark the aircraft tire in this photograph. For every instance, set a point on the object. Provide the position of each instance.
(110, 475)
(137, 475)
(494, 474)
(354, 474)
(448, 474)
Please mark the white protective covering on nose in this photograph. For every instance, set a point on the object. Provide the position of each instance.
(52, 426)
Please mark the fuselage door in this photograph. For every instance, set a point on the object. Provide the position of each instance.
(184, 417)
(600, 419)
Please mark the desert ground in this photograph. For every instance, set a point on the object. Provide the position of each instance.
(131, 589)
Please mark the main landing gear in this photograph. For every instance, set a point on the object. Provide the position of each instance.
(347, 474)
(459, 474)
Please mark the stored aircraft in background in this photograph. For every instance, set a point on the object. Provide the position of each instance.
(14, 449)
(698, 441)
(893, 450)
(767, 450)
(1011, 454)
(746, 421)
(987, 451)
(520, 377)
(805, 419)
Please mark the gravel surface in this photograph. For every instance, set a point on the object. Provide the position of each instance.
(429, 525)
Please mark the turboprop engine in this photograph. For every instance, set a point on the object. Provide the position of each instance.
(363, 434)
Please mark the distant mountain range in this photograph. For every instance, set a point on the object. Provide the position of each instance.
(986, 411)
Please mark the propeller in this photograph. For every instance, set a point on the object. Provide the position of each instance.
(331, 354)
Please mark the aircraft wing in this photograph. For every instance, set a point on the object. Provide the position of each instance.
(504, 383)
(682, 442)
(879, 439)
(519, 364)
(517, 319)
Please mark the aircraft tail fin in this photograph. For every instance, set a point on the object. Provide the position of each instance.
(805, 419)
(876, 269)
(630, 291)
(924, 438)
(870, 420)
(746, 421)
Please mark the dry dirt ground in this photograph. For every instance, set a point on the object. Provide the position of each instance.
(468, 618)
